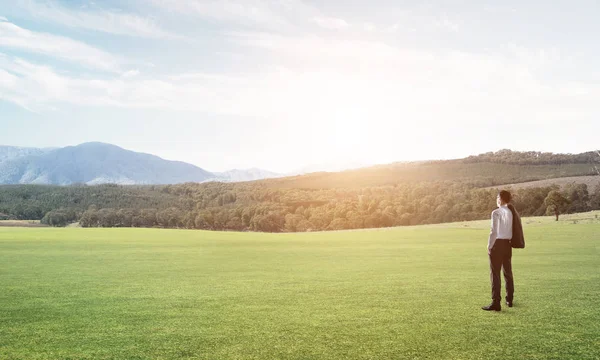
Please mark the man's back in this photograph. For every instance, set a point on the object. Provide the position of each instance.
(504, 223)
(502, 220)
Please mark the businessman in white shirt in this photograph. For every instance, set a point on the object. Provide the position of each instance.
(500, 252)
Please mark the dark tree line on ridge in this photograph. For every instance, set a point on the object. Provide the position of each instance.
(533, 158)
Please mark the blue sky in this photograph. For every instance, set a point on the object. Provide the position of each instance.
(285, 84)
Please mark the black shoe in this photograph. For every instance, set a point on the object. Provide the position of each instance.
(492, 307)
(509, 303)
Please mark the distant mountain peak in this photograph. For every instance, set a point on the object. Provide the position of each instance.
(93, 163)
(98, 163)
(97, 144)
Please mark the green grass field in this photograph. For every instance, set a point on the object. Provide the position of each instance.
(412, 293)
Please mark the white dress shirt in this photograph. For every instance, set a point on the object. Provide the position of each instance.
(502, 219)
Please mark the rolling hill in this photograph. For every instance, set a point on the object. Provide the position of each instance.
(490, 169)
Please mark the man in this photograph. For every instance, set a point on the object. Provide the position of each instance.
(500, 251)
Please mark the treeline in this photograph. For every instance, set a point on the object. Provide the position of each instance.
(33, 202)
(534, 158)
(246, 207)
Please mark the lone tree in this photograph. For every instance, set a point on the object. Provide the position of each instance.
(556, 203)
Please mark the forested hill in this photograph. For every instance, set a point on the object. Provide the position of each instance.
(490, 169)
(380, 196)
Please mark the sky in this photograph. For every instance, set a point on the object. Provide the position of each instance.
(282, 85)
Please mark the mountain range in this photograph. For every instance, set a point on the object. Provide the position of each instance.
(98, 163)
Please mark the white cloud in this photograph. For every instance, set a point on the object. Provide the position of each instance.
(263, 14)
(326, 82)
(94, 18)
(369, 27)
(252, 11)
(31, 86)
(445, 23)
(338, 94)
(130, 73)
(330, 23)
(536, 57)
(421, 18)
(2, 18)
(7, 80)
(393, 28)
(342, 87)
(15, 37)
(40, 88)
(381, 29)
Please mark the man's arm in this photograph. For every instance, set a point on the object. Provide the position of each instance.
(493, 234)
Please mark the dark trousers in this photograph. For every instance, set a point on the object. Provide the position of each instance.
(500, 258)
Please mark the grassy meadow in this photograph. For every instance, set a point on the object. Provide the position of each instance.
(402, 293)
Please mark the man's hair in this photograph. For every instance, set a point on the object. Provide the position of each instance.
(505, 196)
